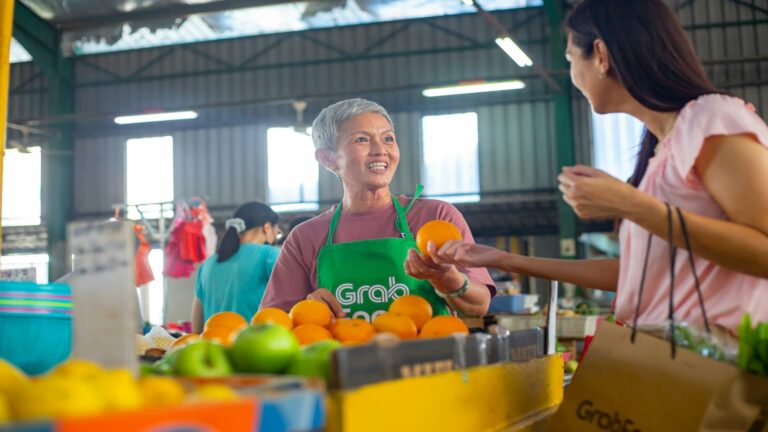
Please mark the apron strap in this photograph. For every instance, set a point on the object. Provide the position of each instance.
(334, 222)
(401, 223)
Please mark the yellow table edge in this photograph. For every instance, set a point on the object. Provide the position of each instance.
(483, 398)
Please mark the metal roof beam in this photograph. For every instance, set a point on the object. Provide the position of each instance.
(160, 12)
(38, 37)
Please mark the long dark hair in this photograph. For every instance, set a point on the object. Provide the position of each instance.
(254, 214)
(650, 55)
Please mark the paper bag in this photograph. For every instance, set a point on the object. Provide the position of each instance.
(622, 386)
(636, 383)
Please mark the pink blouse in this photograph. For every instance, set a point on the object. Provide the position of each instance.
(671, 177)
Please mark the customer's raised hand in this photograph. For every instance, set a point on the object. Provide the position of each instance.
(595, 194)
(465, 254)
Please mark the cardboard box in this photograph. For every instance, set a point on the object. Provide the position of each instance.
(372, 363)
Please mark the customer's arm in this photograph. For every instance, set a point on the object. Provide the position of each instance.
(596, 273)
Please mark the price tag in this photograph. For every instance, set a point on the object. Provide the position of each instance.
(104, 322)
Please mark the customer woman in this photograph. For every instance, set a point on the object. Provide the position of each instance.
(359, 256)
(235, 277)
(704, 152)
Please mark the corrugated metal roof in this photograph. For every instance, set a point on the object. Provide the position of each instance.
(279, 18)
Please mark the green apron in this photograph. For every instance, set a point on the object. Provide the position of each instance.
(367, 276)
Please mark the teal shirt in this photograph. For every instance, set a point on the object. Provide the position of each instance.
(238, 283)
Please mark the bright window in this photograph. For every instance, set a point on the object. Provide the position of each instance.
(18, 53)
(149, 176)
(616, 139)
(21, 187)
(37, 261)
(293, 171)
(451, 167)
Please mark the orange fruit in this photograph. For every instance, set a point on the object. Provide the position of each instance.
(415, 307)
(353, 330)
(273, 315)
(436, 231)
(221, 335)
(401, 325)
(311, 333)
(311, 312)
(332, 325)
(183, 340)
(443, 326)
(226, 320)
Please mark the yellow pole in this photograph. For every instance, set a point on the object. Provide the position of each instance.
(6, 28)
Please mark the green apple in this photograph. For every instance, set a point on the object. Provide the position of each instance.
(165, 365)
(264, 348)
(202, 358)
(315, 360)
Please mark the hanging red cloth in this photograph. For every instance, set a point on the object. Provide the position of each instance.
(142, 269)
(187, 242)
(192, 246)
(175, 265)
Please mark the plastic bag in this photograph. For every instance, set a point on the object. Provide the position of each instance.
(719, 344)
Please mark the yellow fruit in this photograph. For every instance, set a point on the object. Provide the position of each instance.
(5, 410)
(160, 391)
(53, 397)
(12, 379)
(214, 392)
(119, 390)
(77, 369)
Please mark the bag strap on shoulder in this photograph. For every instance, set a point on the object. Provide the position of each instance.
(672, 266)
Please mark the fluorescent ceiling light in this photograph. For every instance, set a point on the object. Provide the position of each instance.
(482, 87)
(156, 117)
(515, 52)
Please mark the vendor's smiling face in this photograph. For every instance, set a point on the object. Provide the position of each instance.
(366, 152)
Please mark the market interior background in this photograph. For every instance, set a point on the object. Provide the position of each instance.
(256, 72)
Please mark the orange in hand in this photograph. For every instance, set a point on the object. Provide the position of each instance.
(414, 307)
(311, 333)
(311, 312)
(437, 231)
(273, 315)
(353, 331)
(400, 325)
(443, 326)
(226, 320)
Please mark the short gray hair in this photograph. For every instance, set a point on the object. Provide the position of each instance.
(325, 128)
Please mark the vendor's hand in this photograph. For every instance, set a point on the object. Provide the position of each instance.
(323, 295)
(425, 268)
(594, 194)
(463, 254)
